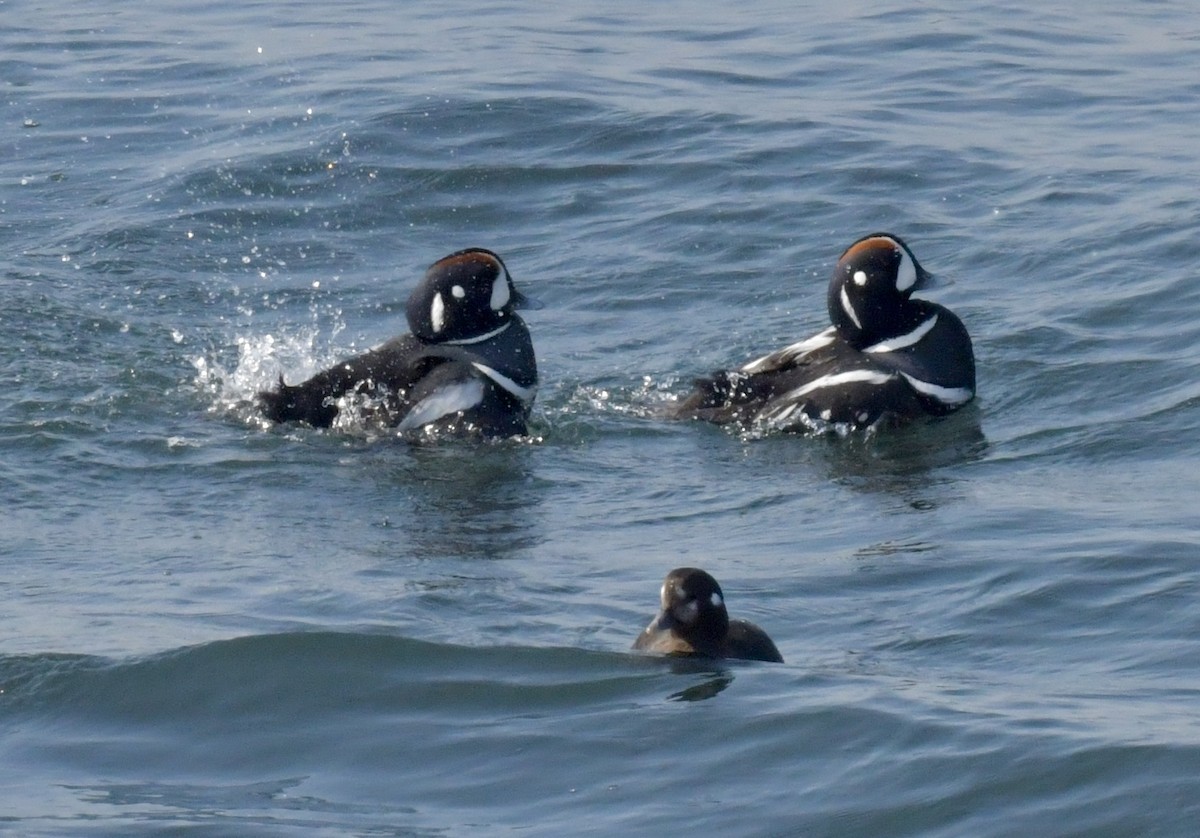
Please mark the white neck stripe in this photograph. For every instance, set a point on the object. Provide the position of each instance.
(478, 339)
(525, 394)
(903, 341)
(849, 309)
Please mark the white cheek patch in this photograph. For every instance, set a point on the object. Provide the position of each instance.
(906, 273)
(849, 309)
(688, 612)
(458, 292)
(716, 600)
(500, 291)
(860, 278)
(437, 313)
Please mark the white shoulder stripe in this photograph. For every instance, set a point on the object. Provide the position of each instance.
(795, 350)
(443, 402)
(892, 344)
(839, 378)
(525, 394)
(950, 396)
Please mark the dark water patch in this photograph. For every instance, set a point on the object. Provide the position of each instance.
(987, 620)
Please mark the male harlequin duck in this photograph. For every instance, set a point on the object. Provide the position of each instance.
(467, 367)
(887, 357)
(693, 621)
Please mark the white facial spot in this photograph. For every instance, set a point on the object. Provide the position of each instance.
(716, 600)
(437, 313)
(860, 277)
(500, 291)
(687, 614)
(849, 309)
(906, 273)
(458, 292)
(662, 595)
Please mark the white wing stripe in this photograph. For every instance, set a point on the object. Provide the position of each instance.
(443, 402)
(794, 351)
(839, 378)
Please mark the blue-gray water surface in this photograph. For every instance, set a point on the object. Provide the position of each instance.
(213, 627)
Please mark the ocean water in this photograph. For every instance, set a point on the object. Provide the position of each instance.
(213, 627)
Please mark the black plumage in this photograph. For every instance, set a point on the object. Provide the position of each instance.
(693, 621)
(466, 367)
(886, 357)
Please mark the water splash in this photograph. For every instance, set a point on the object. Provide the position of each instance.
(260, 361)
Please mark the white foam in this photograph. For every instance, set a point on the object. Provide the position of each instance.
(260, 359)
